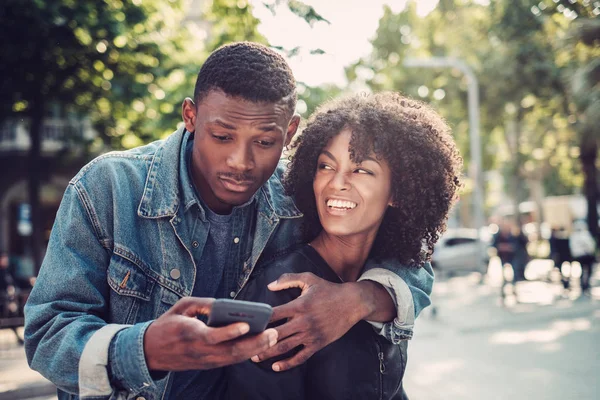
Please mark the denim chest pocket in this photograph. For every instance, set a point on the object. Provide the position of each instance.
(131, 294)
(128, 279)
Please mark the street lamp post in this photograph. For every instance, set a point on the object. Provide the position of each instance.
(474, 138)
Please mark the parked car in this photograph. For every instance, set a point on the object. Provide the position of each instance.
(461, 250)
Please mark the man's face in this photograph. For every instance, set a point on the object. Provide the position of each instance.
(237, 145)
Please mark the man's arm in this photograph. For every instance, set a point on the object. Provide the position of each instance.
(68, 339)
(410, 288)
(325, 311)
(69, 299)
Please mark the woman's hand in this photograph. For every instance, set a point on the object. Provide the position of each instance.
(323, 313)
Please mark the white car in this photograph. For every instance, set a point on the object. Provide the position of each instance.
(461, 250)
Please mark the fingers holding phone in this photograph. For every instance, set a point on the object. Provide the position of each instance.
(178, 340)
(256, 315)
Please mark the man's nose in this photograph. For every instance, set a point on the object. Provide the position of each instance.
(241, 159)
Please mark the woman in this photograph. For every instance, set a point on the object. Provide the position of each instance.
(375, 176)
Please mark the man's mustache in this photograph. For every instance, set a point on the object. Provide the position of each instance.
(237, 177)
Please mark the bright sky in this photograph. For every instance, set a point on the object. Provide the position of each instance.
(346, 39)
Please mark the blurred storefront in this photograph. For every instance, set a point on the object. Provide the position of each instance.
(63, 144)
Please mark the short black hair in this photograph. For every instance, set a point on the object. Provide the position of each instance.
(248, 70)
(423, 158)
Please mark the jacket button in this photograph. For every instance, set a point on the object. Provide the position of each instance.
(175, 273)
(236, 240)
(232, 294)
(195, 244)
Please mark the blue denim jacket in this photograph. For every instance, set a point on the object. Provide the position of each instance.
(119, 257)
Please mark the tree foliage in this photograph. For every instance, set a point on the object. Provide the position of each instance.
(87, 57)
(529, 120)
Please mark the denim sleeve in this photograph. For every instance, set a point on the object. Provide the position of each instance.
(410, 289)
(127, 363)
(66, 334)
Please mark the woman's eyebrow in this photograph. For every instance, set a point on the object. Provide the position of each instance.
(328, 154)
(372, 159)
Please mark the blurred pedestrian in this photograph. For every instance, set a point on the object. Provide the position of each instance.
(511, 247)
(504, 243)
(520, 256)
(560, 252)
(9, 306)
(7, 287)
(583, 250)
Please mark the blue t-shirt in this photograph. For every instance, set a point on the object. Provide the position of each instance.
(222, 256)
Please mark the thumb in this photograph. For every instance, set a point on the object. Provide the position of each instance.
(287, 281)
(192, 306)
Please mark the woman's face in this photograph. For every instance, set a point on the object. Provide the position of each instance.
(351, 198)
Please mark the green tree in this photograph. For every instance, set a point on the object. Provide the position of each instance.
(579, 53)
(85, 56)
(442, 33)
(526, 126)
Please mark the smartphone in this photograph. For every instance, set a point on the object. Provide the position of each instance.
(226, 312)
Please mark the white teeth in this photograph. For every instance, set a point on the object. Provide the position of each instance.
(344, 204)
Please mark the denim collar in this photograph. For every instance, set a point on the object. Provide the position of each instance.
(162, 197)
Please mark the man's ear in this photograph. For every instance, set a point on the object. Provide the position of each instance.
(292, 129)
(188, 114)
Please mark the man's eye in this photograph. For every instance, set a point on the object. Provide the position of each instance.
(265, 143)
(363, 171)
(221, 138)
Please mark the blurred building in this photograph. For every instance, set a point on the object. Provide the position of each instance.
(63, 153)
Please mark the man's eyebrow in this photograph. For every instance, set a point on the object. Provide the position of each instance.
(268, 128)
(223, 124)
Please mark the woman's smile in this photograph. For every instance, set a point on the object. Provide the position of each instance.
(340, 206)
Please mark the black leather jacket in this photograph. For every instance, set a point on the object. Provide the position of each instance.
(360, 365)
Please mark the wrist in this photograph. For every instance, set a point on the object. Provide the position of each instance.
(363, 299)
(148, 343)
(377, 304)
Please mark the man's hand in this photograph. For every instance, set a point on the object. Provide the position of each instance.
(323, 313)
(178, 341)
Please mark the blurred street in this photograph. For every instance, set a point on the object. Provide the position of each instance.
(544, 347)
(17, 381)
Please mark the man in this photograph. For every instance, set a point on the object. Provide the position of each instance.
(191, 216)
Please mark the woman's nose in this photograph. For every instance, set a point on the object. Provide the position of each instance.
(340, 181)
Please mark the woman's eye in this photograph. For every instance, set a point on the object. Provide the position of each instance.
(325, 166)
(363, 171)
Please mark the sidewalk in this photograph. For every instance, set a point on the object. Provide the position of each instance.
(461, 305)
(17, 380)
(540, 342)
